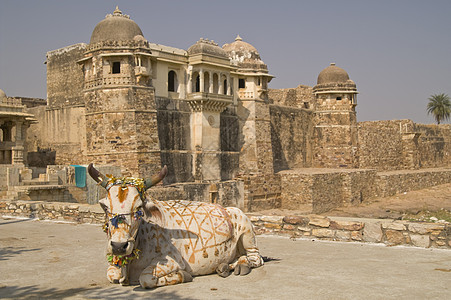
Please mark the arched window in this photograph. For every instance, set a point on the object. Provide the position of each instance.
(225, 86)
(196, 82)
(172, 81)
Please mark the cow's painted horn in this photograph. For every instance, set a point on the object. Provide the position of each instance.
(149, 182)
(97, 176)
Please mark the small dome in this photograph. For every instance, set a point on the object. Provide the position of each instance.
(2, 95)
(244, 54)
(115, 27)
(205, 46)
(332, 74)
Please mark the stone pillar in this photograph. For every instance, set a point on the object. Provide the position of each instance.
(190, 82)
(17, 155)
(201, 81)
(220, 85)
(229, 92)
(210, 88)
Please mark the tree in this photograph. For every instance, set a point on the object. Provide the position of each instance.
(439, 106)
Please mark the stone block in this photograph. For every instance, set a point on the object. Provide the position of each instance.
(394, 226)
(323, 232)
(272, 219)
(319, 221)
(296, 220)
(356, 236)
(346, 225)
(343, 235)
(394, 237)
(420, 240)
(425, 228)
(272, 226)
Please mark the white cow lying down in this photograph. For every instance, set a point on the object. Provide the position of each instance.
(159, 243)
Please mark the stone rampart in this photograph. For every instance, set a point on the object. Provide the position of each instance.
(402, 144)
(299, 97)
(390, 232)
(291, 132)
(320, 190)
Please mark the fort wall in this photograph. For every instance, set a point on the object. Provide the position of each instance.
(65, 76)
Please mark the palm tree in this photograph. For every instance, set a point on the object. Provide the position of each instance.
(439, 106)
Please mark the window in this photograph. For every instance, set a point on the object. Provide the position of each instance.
(258, 81)
(225, 86)
(172, 81)
(197, 87)
(338, 98)
(241, 83)
(116, 67)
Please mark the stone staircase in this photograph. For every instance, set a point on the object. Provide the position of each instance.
(38, 190)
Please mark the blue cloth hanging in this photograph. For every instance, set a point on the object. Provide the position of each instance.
(80, 176)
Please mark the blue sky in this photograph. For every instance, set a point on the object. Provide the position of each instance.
(398, 52)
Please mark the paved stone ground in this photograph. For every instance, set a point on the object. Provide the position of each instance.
(66, 261)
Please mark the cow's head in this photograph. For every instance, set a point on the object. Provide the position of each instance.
(123, 207)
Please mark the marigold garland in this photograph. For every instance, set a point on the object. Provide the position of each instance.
(121, 260)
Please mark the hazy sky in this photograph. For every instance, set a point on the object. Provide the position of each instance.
(397, 51)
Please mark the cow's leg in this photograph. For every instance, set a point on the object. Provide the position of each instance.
(169, 273)
(153, 277)
(114, 274)
(247, 251)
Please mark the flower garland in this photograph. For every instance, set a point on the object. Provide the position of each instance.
(121, 260)
(136, 182)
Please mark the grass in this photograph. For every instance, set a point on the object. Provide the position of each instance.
(426, 215)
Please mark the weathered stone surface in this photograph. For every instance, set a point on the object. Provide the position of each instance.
(272, 219)
(272, 225)
(319, 221)
(394, 226)
(296, 220)
(356, 236)
(343, 235)
(323, 232)
(420, 240)
(425, 228)
(394, 237)
(346, 225)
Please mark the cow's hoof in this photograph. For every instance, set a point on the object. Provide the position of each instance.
(242, 270)
(223, 270)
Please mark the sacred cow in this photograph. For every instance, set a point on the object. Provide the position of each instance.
(156, 243)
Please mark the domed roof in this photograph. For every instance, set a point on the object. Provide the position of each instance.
(115, 27)
(239, 45)
(205, 46)
(332, 74)
(2, 95)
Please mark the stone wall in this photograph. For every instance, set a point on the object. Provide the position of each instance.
(261, 191)
(59, 130)
(320, 190)
(402, 144)
(436, 235)
(394, 182)
(389, 232)
(65, 76)
(29, 102)
(291, 132)
(434, 145)
(299, 97)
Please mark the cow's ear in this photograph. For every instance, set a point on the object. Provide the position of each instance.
(153, 213)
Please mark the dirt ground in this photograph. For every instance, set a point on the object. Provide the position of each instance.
(435, 201)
